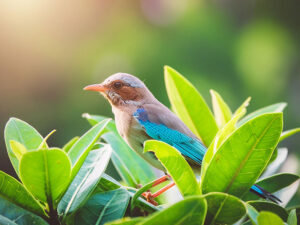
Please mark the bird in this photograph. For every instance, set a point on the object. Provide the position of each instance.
(139, 116)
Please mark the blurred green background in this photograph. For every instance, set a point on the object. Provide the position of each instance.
(49, 50)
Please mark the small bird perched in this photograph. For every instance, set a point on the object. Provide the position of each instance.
(140, 116)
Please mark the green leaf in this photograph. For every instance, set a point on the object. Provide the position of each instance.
(297, 208)
(107, 183)
(273, 184)
(176, 166)
(13, 191)
(23, 133)
(243, 156)
(276, 108)
(70, 143)
(17, 148)
(45, 173)
(223, 208)
(11, 214)
(102, 208)
(126, 221)
(85, 181)
(222, 111)
(252, 213)
(269, 206)
(221, 136)
(132, 168)
(288, 133)
(268, 218)
(292, 219)
(191, 210)
(84, 145)
(190, 106)
(6, 221)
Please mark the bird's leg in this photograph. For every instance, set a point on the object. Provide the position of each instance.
(150, 197)
(159, 192)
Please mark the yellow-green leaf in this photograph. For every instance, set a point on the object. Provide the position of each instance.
(222, 111)
(190, 106)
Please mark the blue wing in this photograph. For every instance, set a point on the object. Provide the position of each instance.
(189, 147)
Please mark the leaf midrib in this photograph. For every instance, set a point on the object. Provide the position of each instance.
(219, 210)
(242, 164)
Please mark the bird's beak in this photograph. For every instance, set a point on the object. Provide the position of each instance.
(96, 87)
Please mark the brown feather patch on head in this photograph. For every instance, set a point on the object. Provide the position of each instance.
(124, 92)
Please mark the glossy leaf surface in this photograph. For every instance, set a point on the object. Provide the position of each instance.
(11, 214)
(103, 207)
(190, 211)
(221, 110)
(242, 157)
(176, 166)
(85, 181)
(268, 218)
(13, 191)
(23, 133)
(45, 173)
(223, 208)
(81, 148)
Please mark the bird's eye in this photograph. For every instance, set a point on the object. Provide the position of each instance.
(118, 85)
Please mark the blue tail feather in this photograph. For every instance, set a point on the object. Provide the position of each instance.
(264, 194)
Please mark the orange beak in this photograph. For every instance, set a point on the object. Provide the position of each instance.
(96, 87)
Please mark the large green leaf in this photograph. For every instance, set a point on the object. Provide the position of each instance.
(279, 107)
(45, 173)
(223, 208)
(85, 181)
(11, 214)
(243, 156)
(190, 106)
(13, 191)
(191, 210)
(81, 148)
(102, 208)
(289, 133)
(23, 133)
(269, 206)
(273, 184)
(222, 111)
(132, 168)
(176, 166)
(268, 218)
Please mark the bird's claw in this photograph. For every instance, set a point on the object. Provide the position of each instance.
(150, 198)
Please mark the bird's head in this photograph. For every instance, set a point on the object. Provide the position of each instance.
(122, 89)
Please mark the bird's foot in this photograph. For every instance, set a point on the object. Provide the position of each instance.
(149, 197)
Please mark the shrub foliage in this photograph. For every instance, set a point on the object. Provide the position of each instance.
(69, 185)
